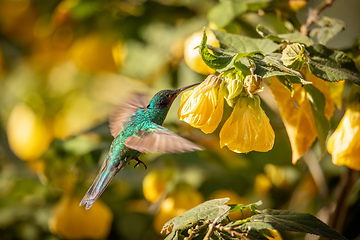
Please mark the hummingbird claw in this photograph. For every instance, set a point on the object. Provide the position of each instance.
(138, 162)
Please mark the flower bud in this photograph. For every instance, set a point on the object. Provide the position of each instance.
(232, 86)
(253, 84)
(294, 56)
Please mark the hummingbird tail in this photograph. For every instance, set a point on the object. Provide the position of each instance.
(102, 180)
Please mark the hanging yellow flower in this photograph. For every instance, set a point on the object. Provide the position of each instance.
(344, 144)
(247, 128)
(296, 113)
(203, 106)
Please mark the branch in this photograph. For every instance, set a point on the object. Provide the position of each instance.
(343, 191)
(233, 231)
(212, 225)
(317, 174)
(314, 15)
(193, 231)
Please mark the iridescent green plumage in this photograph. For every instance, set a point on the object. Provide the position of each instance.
(137, 129)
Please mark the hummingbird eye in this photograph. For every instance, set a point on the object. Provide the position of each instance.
(168, 95)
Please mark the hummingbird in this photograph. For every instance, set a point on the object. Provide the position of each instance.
(137, 128)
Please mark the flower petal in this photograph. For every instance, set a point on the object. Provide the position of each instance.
(296, 113)
(201, 107)
(343, 144)
(243, 132)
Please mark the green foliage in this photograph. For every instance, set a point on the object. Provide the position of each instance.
(326, 29)
(213, 210)
(284, 220)
(327, 64)
(250, 52)
(209, 221)
(225, 12)
(295, 36)
(38, 41)
(239, 52)
(332, 65)
(216, 62)
(242, 44)
(317, 103)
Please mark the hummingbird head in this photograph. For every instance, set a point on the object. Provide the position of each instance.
(165, 98)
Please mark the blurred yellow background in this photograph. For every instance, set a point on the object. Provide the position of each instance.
(65, 66)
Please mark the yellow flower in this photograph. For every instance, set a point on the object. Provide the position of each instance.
(247, 128)
(275, 235)
(296, 113)
(203, 106)
(73, 222)
(155, 184)
(262, 184)
(344, 144)
(28, 133)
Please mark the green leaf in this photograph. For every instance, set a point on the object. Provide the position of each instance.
(296, 37)
(257, 230)
(275, 61)
(327, 29)
(254, 235)
(80, 145)
(84, 9)
(317, 103)
(287, 83)
(241, 207)
(297, 222)
(332, 65)
(265, 33)
(238, 43)
(256, 226)
(265, 70)
(287, 37)
(224, 12)
(219, 63)
(174, 235)
(242, 67)
(209, 210)
(255, 5)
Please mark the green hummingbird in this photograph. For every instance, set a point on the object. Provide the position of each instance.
(136, 128)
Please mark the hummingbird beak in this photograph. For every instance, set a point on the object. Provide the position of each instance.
(184, 88)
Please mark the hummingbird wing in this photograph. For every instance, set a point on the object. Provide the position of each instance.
(160, 139)
(124, 112)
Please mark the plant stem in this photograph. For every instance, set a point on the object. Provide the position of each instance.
(192, 232)
(347, 181)
(314, 15)
(317, 174)
(212, 225)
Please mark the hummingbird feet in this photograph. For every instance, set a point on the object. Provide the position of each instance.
(138, 162)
